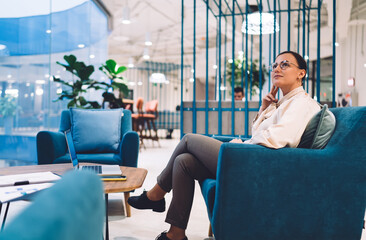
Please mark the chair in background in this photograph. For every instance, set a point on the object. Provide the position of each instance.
(72, 209)
(150, 116)
(138, 121)
(292, 193)
(98, 139)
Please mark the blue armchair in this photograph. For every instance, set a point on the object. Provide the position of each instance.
(292, 193)
(72, 209)
(52, 147)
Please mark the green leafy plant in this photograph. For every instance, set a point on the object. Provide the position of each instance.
(79, 85)
(117, 82)
(240, 68)
(8, 106)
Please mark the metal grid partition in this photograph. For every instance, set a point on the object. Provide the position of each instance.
(299, 24)
(165, 90)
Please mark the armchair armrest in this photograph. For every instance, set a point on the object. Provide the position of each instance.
(291, 193)
(50, 145)
(129, 149)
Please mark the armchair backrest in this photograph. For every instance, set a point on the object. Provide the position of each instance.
(350, 130)
(126, 123)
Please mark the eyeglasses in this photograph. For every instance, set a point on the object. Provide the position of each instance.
(283, 65)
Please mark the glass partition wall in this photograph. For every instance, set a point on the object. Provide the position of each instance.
(32, 39)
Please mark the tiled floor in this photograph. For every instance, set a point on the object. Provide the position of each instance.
(146, 225)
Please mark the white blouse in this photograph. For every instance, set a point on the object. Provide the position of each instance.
(283, 123)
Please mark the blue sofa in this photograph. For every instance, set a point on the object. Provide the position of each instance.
(292, 193)
(52, 147)
(72, 209)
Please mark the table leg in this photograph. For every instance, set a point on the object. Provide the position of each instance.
(6, 213)
(128, 207)
(106, 217)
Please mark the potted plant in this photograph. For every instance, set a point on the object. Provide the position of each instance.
(80, 83)
(8, 109)
(240, 67)
(117, 83)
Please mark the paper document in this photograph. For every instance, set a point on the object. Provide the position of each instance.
(10, 193)
(28, 178)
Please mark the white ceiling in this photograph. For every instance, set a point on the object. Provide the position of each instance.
(162, 19)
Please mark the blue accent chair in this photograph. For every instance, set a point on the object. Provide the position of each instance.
(292, 193)
(72, 209)
(52, 147)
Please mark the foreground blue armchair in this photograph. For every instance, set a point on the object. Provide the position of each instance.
(292, 193)
(72, 209)
(52, 147)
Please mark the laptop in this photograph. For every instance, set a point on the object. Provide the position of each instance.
(105, 170)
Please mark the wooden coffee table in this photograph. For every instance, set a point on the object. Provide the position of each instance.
(135, 179)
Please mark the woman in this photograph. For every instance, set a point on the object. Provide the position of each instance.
(278, 124)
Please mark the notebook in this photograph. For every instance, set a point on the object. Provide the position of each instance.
(105, 170)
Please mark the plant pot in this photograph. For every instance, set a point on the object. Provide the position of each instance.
(8, 125)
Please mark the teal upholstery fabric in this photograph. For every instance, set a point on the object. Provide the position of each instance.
(52, 148)
(72, 209)
(319, 130)
(95, 130)
(293, 193)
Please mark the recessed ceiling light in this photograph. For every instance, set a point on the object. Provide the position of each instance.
(39, 91)
(81, 45)
(91, 56)
(48, 31)
(40, 81)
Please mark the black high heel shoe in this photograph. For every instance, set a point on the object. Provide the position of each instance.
(142, 202)
(163, 236)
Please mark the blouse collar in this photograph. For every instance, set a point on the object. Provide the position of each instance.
(290, 95)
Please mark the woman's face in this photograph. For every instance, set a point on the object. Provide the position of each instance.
(289, 76)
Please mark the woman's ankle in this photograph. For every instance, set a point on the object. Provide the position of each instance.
(156, 193)
(176, 233)
(151, 196)
(175, 236)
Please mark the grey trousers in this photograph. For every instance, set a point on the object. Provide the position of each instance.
(194, 158)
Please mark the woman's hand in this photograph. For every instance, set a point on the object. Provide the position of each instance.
(236, 140)
(268, 99)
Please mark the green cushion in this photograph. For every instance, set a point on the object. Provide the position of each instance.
(319, 130)
(96, 131)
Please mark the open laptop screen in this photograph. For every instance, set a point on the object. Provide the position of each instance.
(70, 145)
